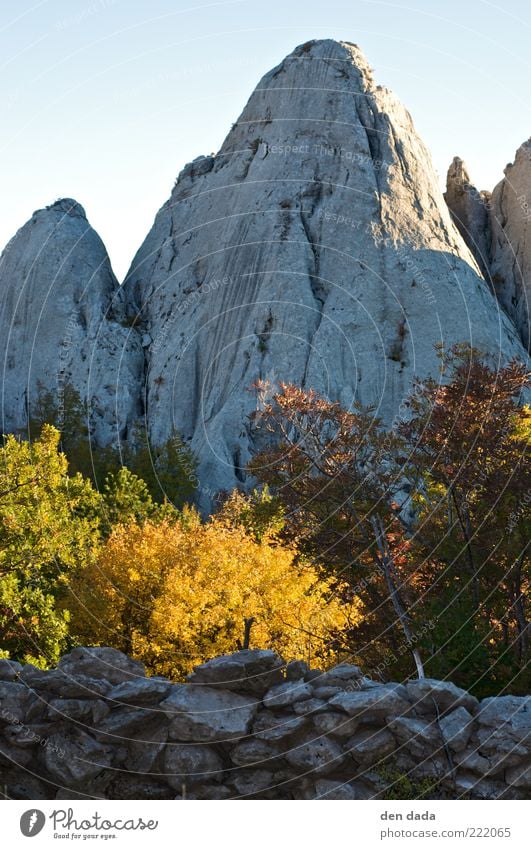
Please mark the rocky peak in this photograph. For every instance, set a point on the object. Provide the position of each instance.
(316, 248)
(65, 206)
(60, 325)
(511, 240)
(469, 210)
(495, 228)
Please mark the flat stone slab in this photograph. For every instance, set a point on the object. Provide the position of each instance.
(247, 671)
(376, 702)
(428, 695)
(207, 713)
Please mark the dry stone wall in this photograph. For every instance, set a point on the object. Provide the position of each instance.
(248, 725)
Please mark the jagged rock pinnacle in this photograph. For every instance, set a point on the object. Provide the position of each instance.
(58, 326)
(315, 247)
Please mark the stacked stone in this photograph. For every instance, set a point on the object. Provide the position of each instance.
(248, 725)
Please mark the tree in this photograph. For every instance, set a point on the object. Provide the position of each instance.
(48, 525)
(168, 470)
(468, 435)
(336, 472)
(177, 593)
(126, 498)
(70, 416)
(455, 576)
(259, 512)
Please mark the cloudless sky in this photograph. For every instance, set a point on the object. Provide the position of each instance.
(105, 100)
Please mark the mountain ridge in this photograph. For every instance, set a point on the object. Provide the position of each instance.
(315, 248)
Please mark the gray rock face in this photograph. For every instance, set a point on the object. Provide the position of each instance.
(316, 248)
(9, 670)
(511, 240)
(377, 702)
(103, 662)
(456, 728)
(342, 791)
(143, 691)
(418, 736)
(253, 781)
(273, 728)
(496, 229)
(319, 755)
(191, 764)
(207, 714)
(512, 713)
(504, 732)
(70, 686)
(519, 776)
(13, 702)
(253, 752)
(370, 745)
(469, 209)
(335, 724)
(60, 324)
(75, 758)
(91, 711)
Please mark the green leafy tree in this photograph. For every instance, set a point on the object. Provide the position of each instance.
(126, 498)
(259, 512)
(67, 412)
(168, 471)
(48, 526)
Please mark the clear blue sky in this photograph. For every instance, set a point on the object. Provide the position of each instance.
(106, 100)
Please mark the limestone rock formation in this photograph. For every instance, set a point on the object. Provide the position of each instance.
(208, 742)
(315, 247)
(496, 228)
(469, 209)
(511, 241)
(59, 327)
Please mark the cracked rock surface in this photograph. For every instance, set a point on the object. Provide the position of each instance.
(496, 228)
(511, 240)
(316, 248)
(59, 325)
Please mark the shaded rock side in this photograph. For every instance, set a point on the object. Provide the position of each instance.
(315, 247)
(511, 241)
(469, 209)
(60, 325)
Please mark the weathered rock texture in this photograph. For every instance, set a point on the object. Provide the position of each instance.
(469, 209)
(315, 248)
(58, 325)
(249, 726)
(497, 229)
(510, 248)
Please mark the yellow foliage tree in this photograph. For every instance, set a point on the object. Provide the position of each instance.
(177, 593)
